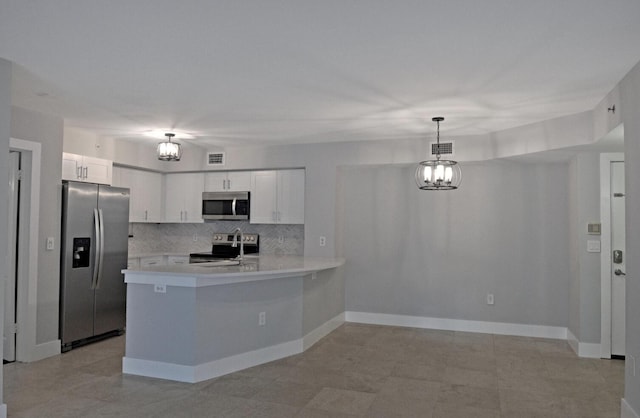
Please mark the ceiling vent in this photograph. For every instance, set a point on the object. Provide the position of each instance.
(215, 158)
(446, 148)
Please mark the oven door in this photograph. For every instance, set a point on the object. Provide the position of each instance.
(225, 205)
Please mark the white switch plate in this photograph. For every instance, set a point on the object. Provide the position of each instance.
(262, 319)
(490, 300)
(323, 241)
(50, 243)
(593, 246)
(160, 288)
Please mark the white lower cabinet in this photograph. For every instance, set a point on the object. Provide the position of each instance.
(156, 260)
(277, 197)
(183, 197)
(173, 260)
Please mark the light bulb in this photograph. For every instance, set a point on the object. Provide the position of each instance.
(439, 172)
(427, 174)
(448, 174)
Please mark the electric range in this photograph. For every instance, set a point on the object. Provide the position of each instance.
(222, 247)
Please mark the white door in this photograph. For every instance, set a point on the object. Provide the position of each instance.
(9, 335)
(618, 259)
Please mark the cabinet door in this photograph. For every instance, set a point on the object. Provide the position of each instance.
(183, 197)
(148, 187)
(215, 182)
(263, 197)
(71, 166)
(239, 181)
(173, 260)
(193, 188)
(290, 196)
(96, 170)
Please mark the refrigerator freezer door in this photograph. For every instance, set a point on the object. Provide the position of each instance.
(110, 294)
(76, 294)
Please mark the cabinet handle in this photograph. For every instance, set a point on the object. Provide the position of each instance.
(79, 172)
(229, 184)
(85, 173)
(279, 217)
(146, 215)
(186, 216)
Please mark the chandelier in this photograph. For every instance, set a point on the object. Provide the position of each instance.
(438, 174)
(169, 151)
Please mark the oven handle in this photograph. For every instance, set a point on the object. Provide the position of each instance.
(233, 206)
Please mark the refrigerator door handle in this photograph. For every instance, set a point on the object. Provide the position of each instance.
(96, 263)
(101, 263)
(233, 207)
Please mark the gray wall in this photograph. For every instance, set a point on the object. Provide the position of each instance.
(47, 130)
(584, 192)
(438, 254)
(630, 107)
(5, 133)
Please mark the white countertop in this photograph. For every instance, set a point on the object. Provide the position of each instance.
(254, 268)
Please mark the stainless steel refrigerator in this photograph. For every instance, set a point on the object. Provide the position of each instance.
(95, 228)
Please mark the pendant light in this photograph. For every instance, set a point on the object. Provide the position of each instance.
(438, 174)
(169, 151)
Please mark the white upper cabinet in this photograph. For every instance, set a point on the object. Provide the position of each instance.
(87, 169)
(145, 198)
(231, 181)
(183, 197)
(277, 197)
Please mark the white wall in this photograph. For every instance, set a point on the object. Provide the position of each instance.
(584, 303)
(630, 107)
(438, 254)
(46, 130)
(5, 134)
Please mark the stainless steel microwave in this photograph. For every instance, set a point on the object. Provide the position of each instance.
(229, 206)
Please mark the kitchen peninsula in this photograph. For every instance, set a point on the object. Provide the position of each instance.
(195, 322)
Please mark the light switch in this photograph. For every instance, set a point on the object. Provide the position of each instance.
(593, 246)
(50, 243)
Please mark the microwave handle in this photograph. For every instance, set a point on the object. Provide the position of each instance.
(233, 207)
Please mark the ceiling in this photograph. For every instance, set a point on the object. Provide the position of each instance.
(293, 71)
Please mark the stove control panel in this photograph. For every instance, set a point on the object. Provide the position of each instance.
(219, 238)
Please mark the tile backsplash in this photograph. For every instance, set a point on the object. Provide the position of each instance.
(189, 238)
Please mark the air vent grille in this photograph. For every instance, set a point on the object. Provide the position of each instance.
(446, 148)
(215, 158)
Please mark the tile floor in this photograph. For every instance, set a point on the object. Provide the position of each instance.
(356, 371)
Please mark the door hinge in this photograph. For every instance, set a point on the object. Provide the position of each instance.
(14, 328)
(19, 175)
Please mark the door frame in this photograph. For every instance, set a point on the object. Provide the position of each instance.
(27, 282)
(605, 255)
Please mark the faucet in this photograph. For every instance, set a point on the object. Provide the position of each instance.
(234, 244)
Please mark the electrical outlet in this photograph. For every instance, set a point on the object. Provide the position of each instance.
(490, 299)
(280, 239)
(262, 319)
(195, 237)
(323, 241)
(160, 288)
(50, 243)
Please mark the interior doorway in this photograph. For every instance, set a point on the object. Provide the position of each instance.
(9, 330)
(613, 256)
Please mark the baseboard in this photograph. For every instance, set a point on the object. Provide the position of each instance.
(205, 371)
(586, 350)
(626, 411)
(501, 328)
(44, 350)
(322, 331)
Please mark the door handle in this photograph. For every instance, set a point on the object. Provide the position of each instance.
(619, 272)
(101, 249)
(96, 260)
